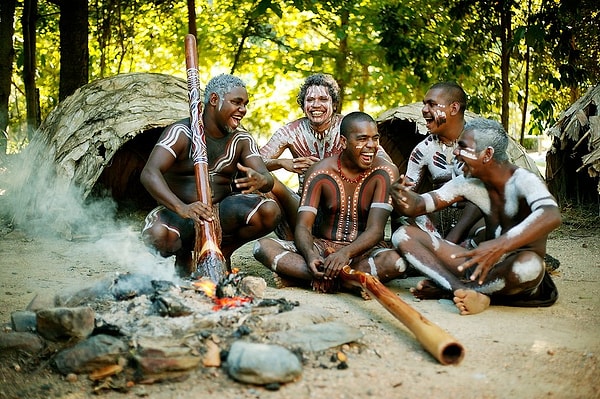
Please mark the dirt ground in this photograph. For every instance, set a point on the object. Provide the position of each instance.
(510, 352)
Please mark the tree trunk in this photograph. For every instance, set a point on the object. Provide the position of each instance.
(527, 67)
(7, 55)
(341, 61)
(29, 40)
(74, 57)
(192, 30)
(505, 27)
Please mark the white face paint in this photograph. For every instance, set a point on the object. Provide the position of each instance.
(467, 153)
(527, 270)
(318, 107)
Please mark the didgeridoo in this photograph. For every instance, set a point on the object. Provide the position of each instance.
(208, 257)
(445, 348)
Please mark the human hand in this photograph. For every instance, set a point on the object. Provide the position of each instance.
(334, 264)
(485, 256)
(253, 181)
(315, 266)
(197, 211)
(301, 164)
(401, 192)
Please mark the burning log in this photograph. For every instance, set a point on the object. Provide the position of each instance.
(436, 341)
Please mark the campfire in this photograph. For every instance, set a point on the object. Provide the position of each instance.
(130, 329)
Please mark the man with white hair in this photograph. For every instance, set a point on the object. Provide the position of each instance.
(508, 266)
(238, 180)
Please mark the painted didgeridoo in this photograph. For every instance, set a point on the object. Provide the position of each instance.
(445, 348)
(208, 257)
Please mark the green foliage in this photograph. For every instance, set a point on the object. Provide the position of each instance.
(384, 53)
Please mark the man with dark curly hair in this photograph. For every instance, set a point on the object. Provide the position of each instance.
(309, 139)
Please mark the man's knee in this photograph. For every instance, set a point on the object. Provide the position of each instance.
(265, 251)
(391, 259)
(268, 215)
(165, 240)
(528, 268)
(401, 236)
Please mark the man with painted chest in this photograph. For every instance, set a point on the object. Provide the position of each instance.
(508, 266)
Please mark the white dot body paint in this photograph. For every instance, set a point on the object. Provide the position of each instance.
(428, 271)
(527, 270)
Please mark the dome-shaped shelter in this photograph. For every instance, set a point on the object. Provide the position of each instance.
(99, 138)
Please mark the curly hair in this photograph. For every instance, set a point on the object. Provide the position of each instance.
(320, 79)
(221, 85)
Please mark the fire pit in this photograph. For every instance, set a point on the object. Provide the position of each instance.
(130, 329)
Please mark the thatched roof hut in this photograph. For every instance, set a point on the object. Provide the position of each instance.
(99, 138)
(573, 161)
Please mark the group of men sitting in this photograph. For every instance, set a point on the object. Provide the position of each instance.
(349, 188)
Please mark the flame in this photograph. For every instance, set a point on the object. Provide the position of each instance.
(226, 303)
(207, 286)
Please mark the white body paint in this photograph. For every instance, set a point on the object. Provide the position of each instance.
(428, 271)
(399, 236)
(527, 270)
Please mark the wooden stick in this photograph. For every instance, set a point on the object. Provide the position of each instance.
(208, 257)
(436, 341)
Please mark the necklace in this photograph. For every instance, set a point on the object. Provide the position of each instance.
(346, 178)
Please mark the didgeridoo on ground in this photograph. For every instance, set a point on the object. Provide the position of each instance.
(445, 348)
(208, 258)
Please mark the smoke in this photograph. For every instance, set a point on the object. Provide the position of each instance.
(35, 199)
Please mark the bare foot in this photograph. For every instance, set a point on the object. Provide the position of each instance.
(427, 289)
(470, 302)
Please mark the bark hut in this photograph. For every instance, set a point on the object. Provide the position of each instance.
(573, 161)
(99, 138)
(402, 128)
